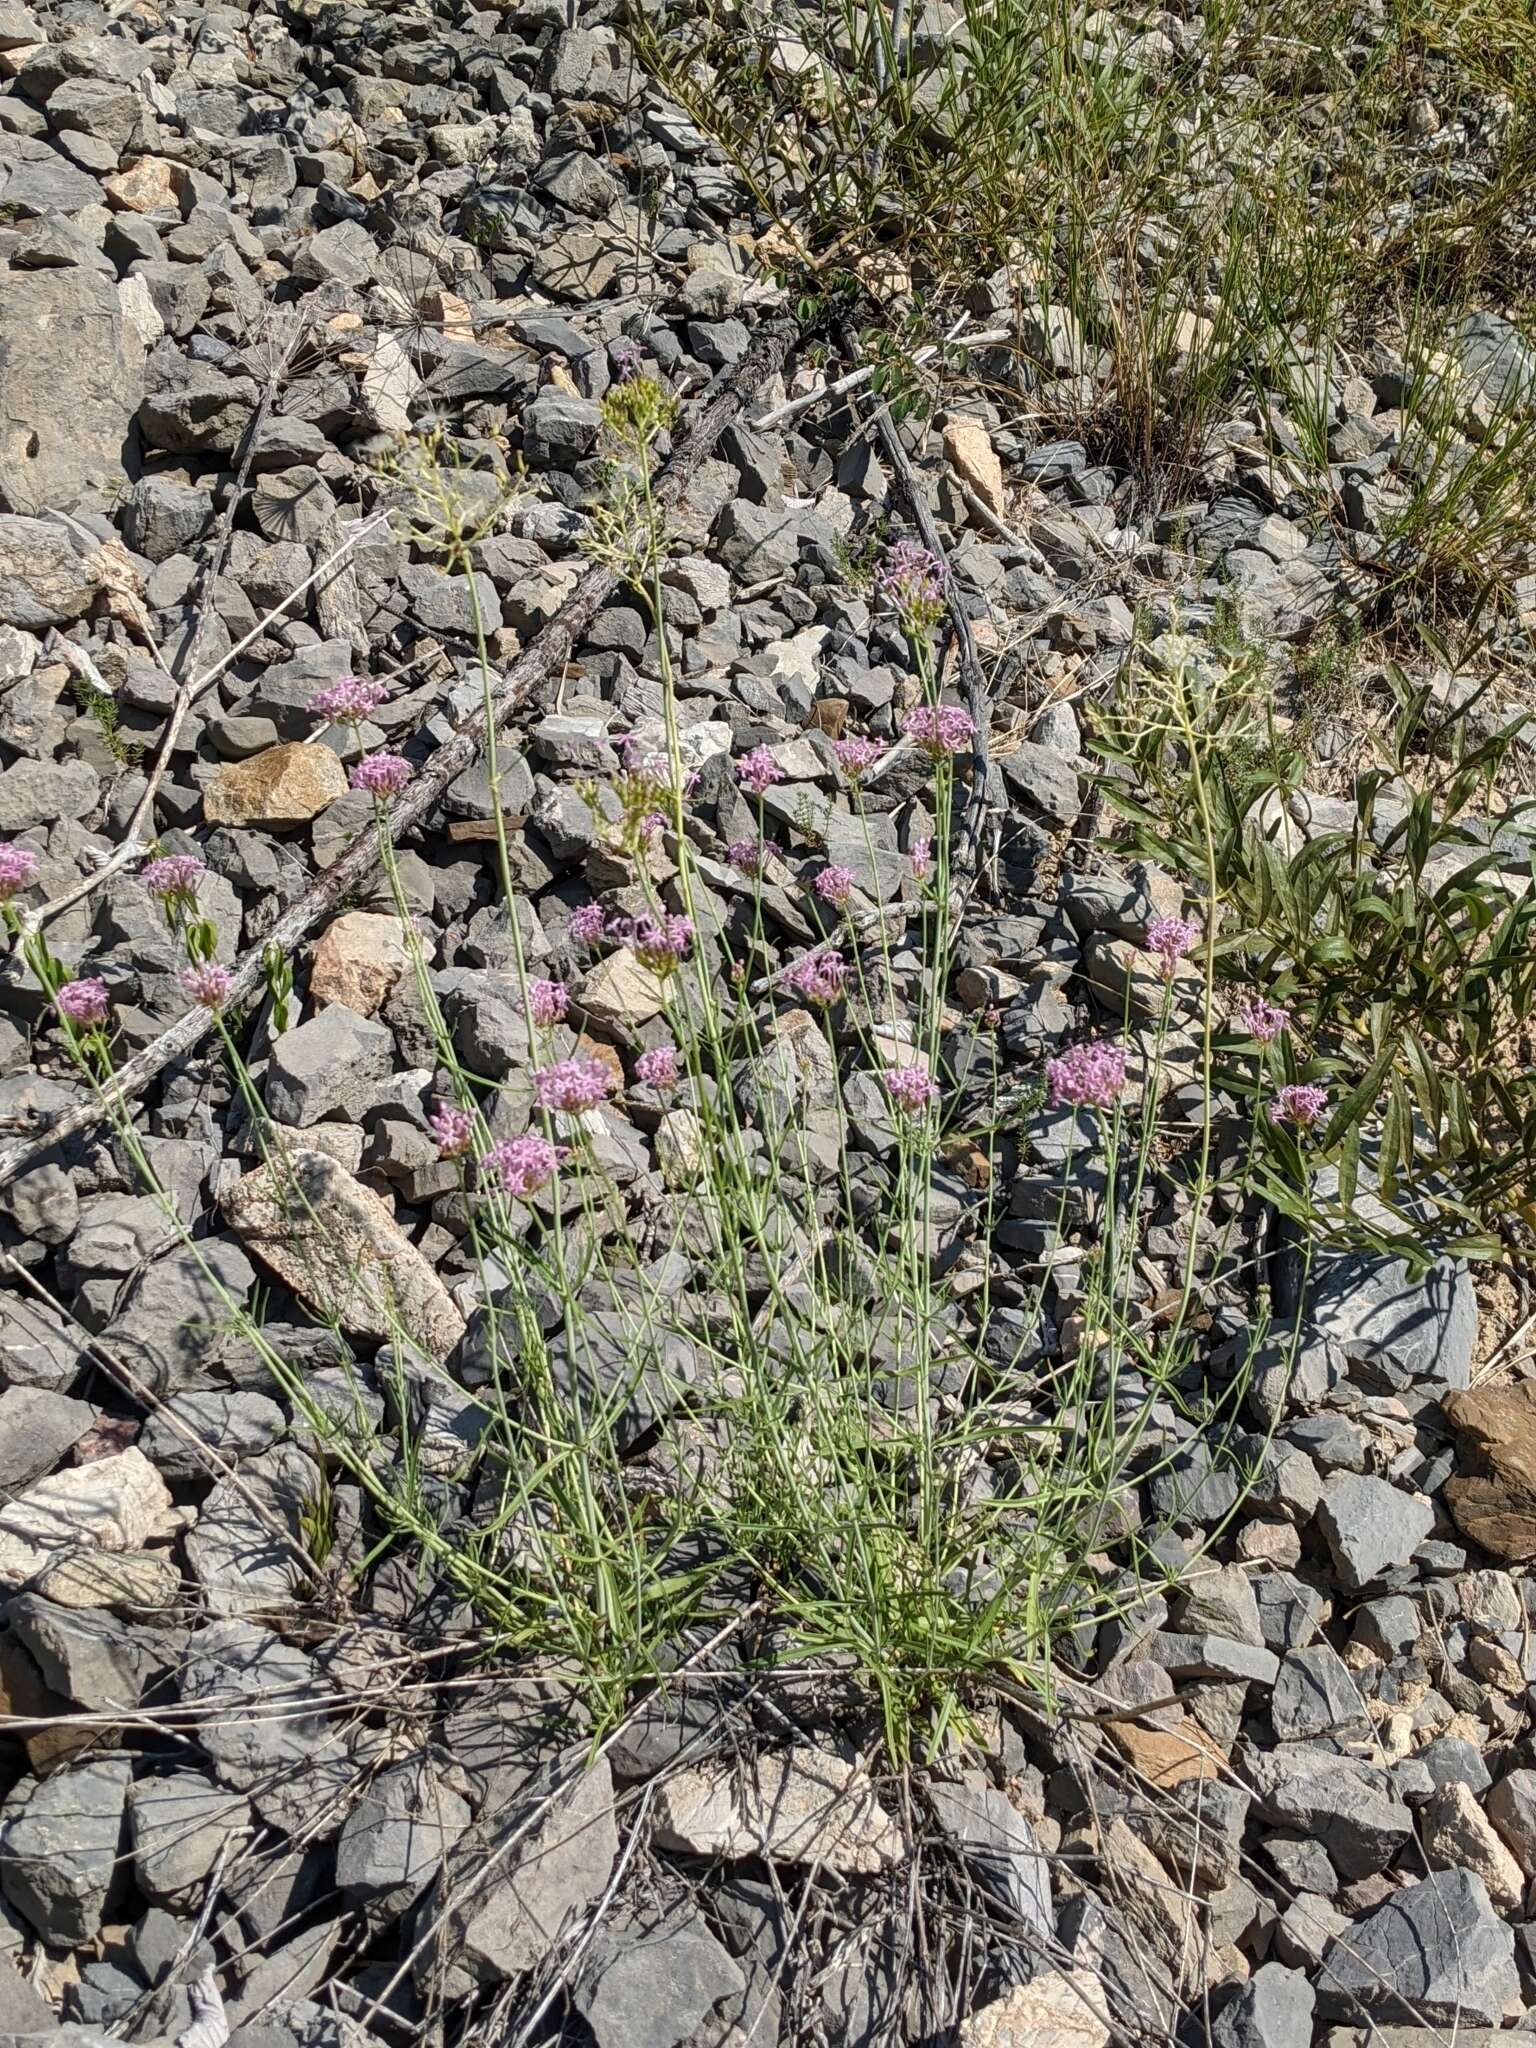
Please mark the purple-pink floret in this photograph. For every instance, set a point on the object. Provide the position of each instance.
(548, 1001)
(857, 756)
(1170, 938)
(921, 858)
(453, 1128)
(85, 1001)
(939, 729)
(1262, 1019)
(911, 1088)
(173, 874)
(381, 774)
(1086, 1076)
(658, 1068)
(586, 924)
(348, 700)
(523, 1165)
(750, 856)
(1300, 1103)
(660, 943)
(18, 864)
(835, 884)
(911, 576)
(572, 1085)
(209, 985)
(819, 977)
(758, 770)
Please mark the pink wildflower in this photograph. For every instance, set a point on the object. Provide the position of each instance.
(18, 864)
(381, 774)
(208, 985)
(921, 858)
(548, 1001)
(651, 827)
(758, 770)
(835, 884)
(85, 1001)
(1262, 1019)
(348, 700)
(453, 1128)
(857, 756)
(751, 856)
(574, 1085)
(172, 875)
(523, 1165)
(585, 924)
(658, 1068)
(913, 580)
(1171, 938)
(911, 1088)
(1086, 1076)
(1300, 1103)
(819, 977)
(660, 943)
(939, 729)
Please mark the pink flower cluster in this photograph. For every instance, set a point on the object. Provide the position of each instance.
(751, 856)
(381, 774)
(857, 756)
(1262, 1019)
(453, 1128)
(209, 985)
(658, 1068)
(1300, 1103)
(84, 1001)
(585, 924)
(835, 884)
(758, 770)
(172, 875)
(912, 577)
(523, 1165)
(1087, 1076)
(818, 977)
(921, 859)
(548, 1002)
(912, 1089)
(18, 864)
(572, 1085)
(660, 943)
(349, 700)
(941, 730)
(1170, 938)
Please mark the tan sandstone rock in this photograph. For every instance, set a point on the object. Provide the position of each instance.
(358, 959)
(337, 1246)
(1063, 2010)
(794, 1806)
(969, 448)
(285, 785)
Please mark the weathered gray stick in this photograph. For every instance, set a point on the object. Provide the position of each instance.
(545, 655)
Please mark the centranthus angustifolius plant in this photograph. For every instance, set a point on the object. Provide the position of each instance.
(858, 1337)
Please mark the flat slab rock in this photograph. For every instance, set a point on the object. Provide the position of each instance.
(113, 1504)
(1436, 1951)
(337, 1246)
(794, 1806)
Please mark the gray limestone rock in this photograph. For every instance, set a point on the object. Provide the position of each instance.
(1435, 1954)
(71, 379)
(1371, 1527)
(58, 1847)
(396, 1837)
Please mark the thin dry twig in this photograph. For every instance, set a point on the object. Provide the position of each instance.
(545, 655)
